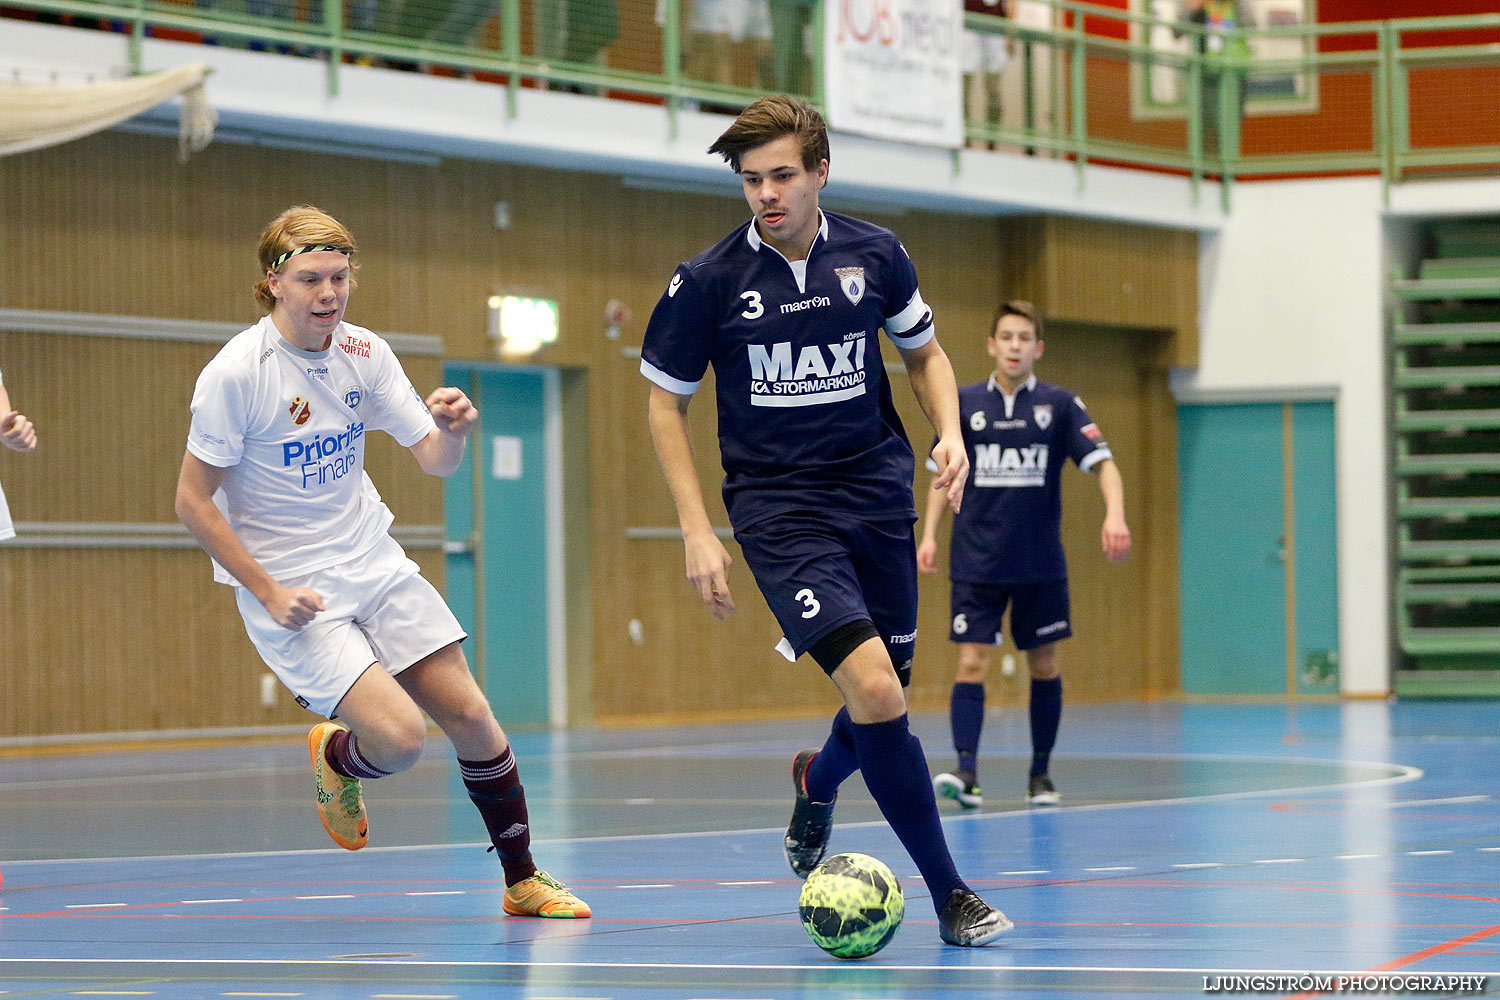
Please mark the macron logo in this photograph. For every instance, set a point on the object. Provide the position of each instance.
(676, 284)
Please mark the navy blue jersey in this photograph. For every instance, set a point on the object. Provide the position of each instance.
(1009, 529)
(806, 420)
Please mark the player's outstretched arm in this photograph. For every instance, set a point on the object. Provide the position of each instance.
(1115, 536)
(292, 607)
(707, 559)
(16, 432)
(937, 499)
(443, 448)
(936, 389)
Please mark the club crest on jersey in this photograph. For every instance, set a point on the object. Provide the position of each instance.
(1042, 414)
(976, 422)
(851, 282)
(299, 411)
(352, 397)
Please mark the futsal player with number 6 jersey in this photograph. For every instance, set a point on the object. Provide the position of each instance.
(817, 468)
(1007, 541)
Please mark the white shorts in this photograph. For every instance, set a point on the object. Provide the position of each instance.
(7, 530)
(984, 52)
(741, 20)
(377, 609)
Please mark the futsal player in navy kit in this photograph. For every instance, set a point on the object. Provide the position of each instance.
(818, 469)
(1007, 541)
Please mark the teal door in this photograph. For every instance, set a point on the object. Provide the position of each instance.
(1258, 548)
(502, 532)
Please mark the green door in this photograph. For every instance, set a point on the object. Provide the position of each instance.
(502, 535)
(1258, 525)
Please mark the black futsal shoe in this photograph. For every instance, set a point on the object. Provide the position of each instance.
(968, 921)
(1041, 792)
(812, 822)
(961, 786)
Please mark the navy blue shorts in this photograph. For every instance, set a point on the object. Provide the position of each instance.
(817, 573)
(1038, 612)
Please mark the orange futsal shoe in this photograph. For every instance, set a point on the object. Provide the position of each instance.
(340, 805)
(541, 895)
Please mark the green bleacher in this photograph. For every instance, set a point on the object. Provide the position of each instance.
(1445, 344)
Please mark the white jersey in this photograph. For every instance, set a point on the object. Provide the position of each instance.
(7, 530)
(289, 426)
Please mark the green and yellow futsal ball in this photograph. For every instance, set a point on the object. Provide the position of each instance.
(851, 905)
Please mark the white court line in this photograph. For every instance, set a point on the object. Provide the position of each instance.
(213, 901)
(1404, 773)
(873, 970)
(1418, 854)
(436, 892)
(1407, 803)
(92, 906)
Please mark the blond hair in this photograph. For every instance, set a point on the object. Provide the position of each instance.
(298, 227)
(767, 120)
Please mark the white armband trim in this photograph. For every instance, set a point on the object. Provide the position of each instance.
(908, 317)
(1094, 457)
(912, 343)
(666, 381)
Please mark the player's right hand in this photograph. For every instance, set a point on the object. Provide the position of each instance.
(952, 461)
(927, 556)
(294, 607)
(708, 570)
(16, 432)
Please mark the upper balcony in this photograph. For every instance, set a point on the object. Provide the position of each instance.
(1080, 86)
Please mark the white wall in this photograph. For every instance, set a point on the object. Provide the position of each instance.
(1292, 293)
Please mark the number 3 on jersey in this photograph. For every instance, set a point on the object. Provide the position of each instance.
(810, 602)
(753, 308)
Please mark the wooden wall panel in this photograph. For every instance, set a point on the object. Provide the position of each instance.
(111, 224)
(112, 640)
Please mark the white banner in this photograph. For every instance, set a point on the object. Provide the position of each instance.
(891, 69)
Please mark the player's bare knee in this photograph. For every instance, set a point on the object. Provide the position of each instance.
(395, 742)
(873, 697)
(973, 665)
(472, 722)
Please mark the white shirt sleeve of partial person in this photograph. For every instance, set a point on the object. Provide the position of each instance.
(399, 408)
(220, 410)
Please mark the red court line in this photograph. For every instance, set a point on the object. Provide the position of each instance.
(1416, 956)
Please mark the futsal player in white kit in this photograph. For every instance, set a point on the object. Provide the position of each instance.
(273, 486)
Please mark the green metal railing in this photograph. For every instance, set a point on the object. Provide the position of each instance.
(1401, 98)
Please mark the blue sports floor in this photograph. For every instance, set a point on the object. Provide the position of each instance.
(1195, 841)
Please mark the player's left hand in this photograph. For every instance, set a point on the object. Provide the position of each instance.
(452, 411)
(1116, 538)
(952, 461)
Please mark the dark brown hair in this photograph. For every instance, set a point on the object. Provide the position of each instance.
(1021, 308)
(767, 120)
(299, 226)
